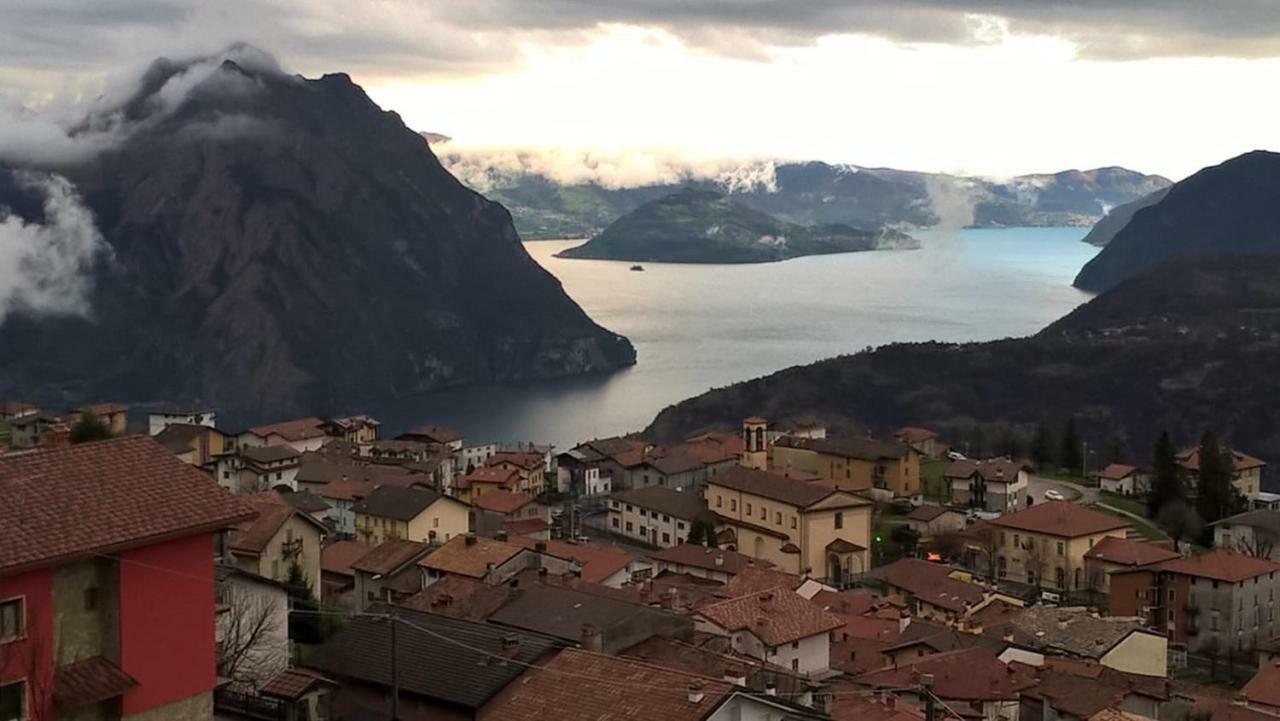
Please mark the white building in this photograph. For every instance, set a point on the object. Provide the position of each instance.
(658, 516)
(751, 623)
(251, 628)
(165, 416)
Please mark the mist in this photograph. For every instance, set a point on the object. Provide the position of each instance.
(46, 268)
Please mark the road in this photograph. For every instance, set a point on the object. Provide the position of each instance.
(1079, 494)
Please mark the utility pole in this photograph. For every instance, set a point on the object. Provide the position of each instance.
(1084, 459)
(926, 685)
(395, 675)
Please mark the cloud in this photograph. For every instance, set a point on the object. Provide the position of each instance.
(45, 267)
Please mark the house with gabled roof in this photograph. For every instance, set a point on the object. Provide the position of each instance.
(1246, 470)
(1044, 545)
(280, 537)
(997, 485)
(388, 572)
(799, 526)
(971, 682)
(300, 434)
(662, 517)
(853, 463)
(409, 512)
(1123, 479)
(1112, 554)
(777, 625)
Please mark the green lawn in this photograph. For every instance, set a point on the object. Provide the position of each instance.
(1067, 477)
(4, 432)
(1145, 528)
(934, 485)
(1126, 503)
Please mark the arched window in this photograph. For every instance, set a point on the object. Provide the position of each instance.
(760, 438)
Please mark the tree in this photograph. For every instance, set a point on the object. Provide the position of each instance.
(1216, 495)
(1042, 446)
(1180, 521)
(1070, 455)
(305, 622)
(702, 533)
(1036, 560)
(27, 659)
(949, 545)
(1166, 479)
(252, 635)
(986, 541)
(1258, 544)
(907, 539)
(89, 427)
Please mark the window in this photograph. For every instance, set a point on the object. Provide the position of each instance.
(795, 664)
(666, 538)
(615, 523)
(90, 598)
(793, 521)
(1062, 548)
(629, 528)
(1015, 541)
(279, 475)
(1171, 595)
(666, 518)
(778, 518)
(1003, 540)
(680, 525)
(764, 514)
(435, 522)
(12, 619)
(226, 475)
(719, 501)
(733, 504)
(748, 509)
(13, 701)
(839, 519)
(795, 644)
(629, 508)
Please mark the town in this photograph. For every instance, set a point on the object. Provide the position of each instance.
(157, 565)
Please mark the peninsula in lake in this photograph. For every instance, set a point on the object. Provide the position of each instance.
(705, 226)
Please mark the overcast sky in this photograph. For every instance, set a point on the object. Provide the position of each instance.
(993, 87)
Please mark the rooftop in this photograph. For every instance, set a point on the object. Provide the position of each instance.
(928, 513)
(754, 579)
(495, 475)
(68, 503)
(1190, 459)
(995, 470)
(401, 504)
(450, 660)
(253, 536)
(712, 559)
(470, 556)
(969, 674)
(521, 459)
(390, 555)
(436, 434)
(610, 687)
(561, 613)
(688, 506)
(461, 597)
(775, 486)
(776, 616)
(1060, 518)
(1117, 471)
(270, 454)
(1264, 519)
(502, 501)
(865, 449)
(1221, 566)
(317, 468)
(931, 583)
(912, 434)
(598, 562)
(1127, 552)
(1075, 631)
(338, 557)
(298, 429)
(292, 683)
(1264, 687)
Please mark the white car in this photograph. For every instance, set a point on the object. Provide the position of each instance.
(955, 455)
(1053, 495)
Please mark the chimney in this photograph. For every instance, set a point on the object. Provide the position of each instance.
(514, 582)
(891, 701)
(542, 574)
(695, 693)
(500, 536)
(719, 560)
(471, 539)
(591, 640)
(540, 546)
(510, 645)
(771, 689)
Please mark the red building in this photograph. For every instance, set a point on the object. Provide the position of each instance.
(106, 582)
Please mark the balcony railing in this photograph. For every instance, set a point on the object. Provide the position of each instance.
(291, 547)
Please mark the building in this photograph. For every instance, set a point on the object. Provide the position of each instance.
(799, 526)
(337, 577)
(164, 416)
(487, 479)
(1246, 477)
(851, 463)
(493, 511)
(657, 516)
(469, 458)
(930, 521)
(932, 591)
(777, 625)
(1123, 480)
(81, 593)
(303, 695)
(529, 466)
(279, 538)
(352, 429)
(28, 431)
(252, 629)
(593, 563)
(923, 440)
(1253, 533)
(700, 561)
(1044, 545)
(13, 410)
(484, 559)
(1120, 643)
(756, 443)
(115, 415)
(447, 668)
(972, 682)
(1219, 602)
(1112, 555)
(594, 620)
(254, 469)
(997, 485)
(414, 514)
(197, 444)
(443, 436)
(1263, 690)
(389, 573)
(300, 434)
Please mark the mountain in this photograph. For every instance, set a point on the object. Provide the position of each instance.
(1184, 346)
(703, 226)
(1114, 221)
(1229, 208)
(804, 193)
(282, 245)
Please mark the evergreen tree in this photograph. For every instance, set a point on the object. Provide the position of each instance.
(1216, 496)
(89, 427)
(1071, 451)
(1166, 477)
(1042, 447)
(697, 532)
(305, 623)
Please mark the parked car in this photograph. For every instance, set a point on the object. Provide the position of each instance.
(955, 455)
(1054, 495)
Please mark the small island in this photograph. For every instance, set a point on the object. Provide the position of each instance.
(703, 226)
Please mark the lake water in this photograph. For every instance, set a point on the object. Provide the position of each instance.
(696, 327)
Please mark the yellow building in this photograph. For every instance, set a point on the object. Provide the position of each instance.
(413, 514)
(755, 440)
(195, 444)
(794, 524)
(853, 464)
(1045, 545)
(280, 537)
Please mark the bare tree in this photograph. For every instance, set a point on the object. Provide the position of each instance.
(28, 660)
(1035, 558)
(1256, 544)
(252, 633)
(986, 541)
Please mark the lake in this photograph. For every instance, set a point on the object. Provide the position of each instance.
(696, 327)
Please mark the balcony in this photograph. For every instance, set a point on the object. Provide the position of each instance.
(291, 547)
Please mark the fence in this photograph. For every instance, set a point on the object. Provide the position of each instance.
(250, 705)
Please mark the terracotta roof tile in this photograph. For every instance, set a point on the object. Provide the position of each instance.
(298, 429)
(775, 617)
(856, 447)
(931, 583)
(469, 559)
(488, 475)
(337, 557)
(521, 527)
(1221, 566)
(387, 556)
(502, 501)
(254, 535)
(461, 597)
(72, 502)
(400, 503)
(598, 562)
(437, 434)
(753, 580)
(1117, 471)
(777, 487)
(292, 683)
(970, 674)
(89, 681)
(527, 460)
(1190, 460)
(711, 559)
(995, 470)
(1126, 552)
(1060, 518)
(608, 687)
(688, 506)
(1264, 687)
(914, 435)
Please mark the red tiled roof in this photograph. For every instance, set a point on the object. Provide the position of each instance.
(1117, 471)
(931, 583)
(297, 429)
(1264, 687)
(521, 527)
(754, 580)
(487, 475)
(439, 434)
(598, 562)
(1221, 566)
(1190, 460)
(89, 681)
(970, 674)
(849, 706)
(582, 686)
(995, 470)
(292, 683)
(521, 459)
(1126, 552)
(711, 559)
(461, 597)
(100, 409)
(338, 557)
(775, 617)
(253, 536)
(67, 503)
(501, 501)
(1060, 518)
(914, 435)
(389, 555)
(472, 560)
